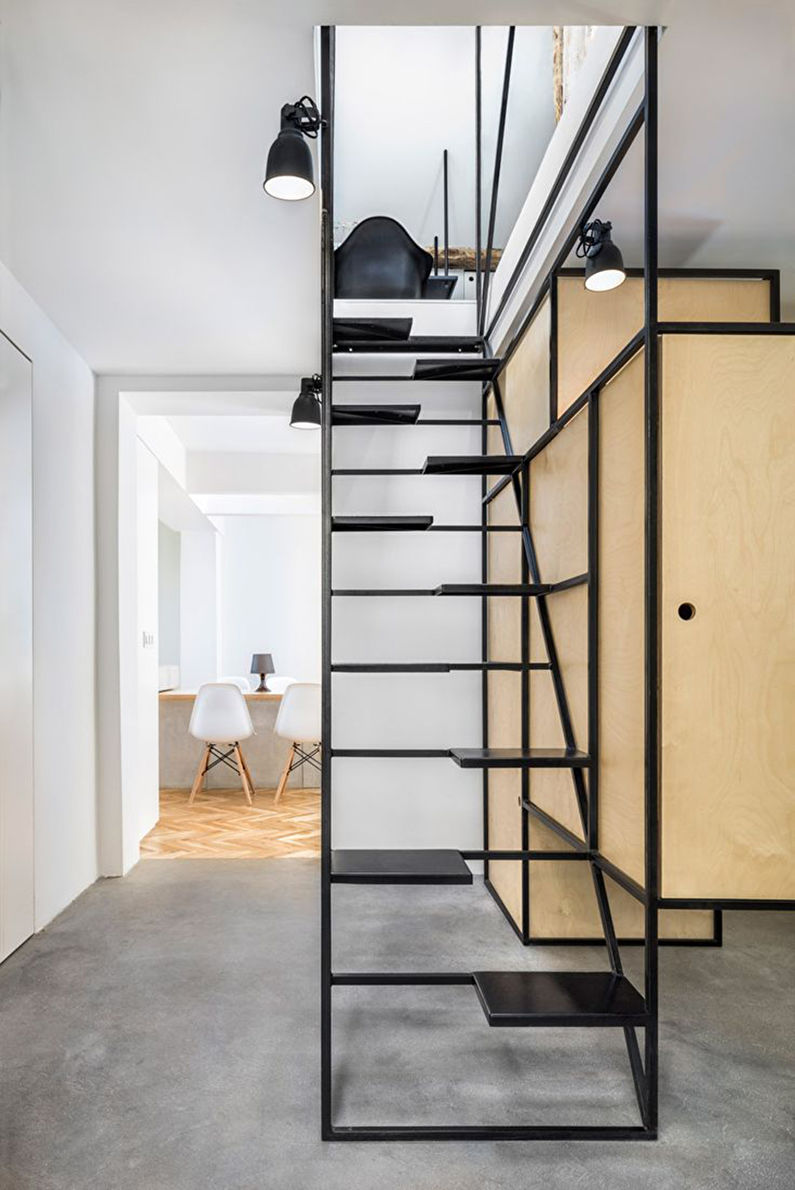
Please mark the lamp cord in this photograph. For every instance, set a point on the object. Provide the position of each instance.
(591, 237)
(306, 117)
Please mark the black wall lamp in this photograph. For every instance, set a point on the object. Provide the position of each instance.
(289, 173)
(306, 406)
(604, 265)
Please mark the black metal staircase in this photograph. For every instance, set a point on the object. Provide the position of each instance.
(509, 999)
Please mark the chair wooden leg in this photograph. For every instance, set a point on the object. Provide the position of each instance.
(285, 774)
(241, 768)
(248, 772)
(199, 779)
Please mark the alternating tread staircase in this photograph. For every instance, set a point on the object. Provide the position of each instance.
(515, 999)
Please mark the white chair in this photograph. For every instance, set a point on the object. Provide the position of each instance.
(277, 684)
(242, 683)
(221, 720)
(298, 721)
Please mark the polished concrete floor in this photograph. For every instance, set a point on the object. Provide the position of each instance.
(162, 1034)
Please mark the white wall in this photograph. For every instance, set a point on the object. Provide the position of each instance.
(199, 648)
(165, 445)
(403, 95)
(17, 843)
(63, 604)
(168, 600)
(395, 802)
(270, 593)
(146, 754)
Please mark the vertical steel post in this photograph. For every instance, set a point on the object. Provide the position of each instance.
(327, 339)
(446, 216)
(593, 620)
(525, 704)
(478, 172)
(484, 621)
(651, 570)
(495, 184)
(553, 348)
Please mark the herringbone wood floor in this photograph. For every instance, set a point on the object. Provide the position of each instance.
(220, 825)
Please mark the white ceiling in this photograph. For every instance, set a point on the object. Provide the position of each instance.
(136, 134)
(726, 147)
(133, 135)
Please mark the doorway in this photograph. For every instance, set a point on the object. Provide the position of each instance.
(226, 536)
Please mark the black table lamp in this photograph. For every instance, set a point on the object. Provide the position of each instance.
(262, 664)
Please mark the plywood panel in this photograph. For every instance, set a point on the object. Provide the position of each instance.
(525, 383)
(559, 503)
(505, 644)
(728, 675)
(505, 815)
(563, 902)
(593, 327)
(553, 789)
(621, 683)
(559, 521)
(505, 831)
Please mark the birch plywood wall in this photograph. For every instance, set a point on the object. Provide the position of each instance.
(556, 900)
(728, 671)
(592, 328)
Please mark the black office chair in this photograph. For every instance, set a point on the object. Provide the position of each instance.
(379, 259)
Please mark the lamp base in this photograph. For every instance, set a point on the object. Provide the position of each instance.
(262, 688)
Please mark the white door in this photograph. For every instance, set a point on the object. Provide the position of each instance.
(16, 650)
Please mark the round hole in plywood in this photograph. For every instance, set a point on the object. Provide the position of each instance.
(686, 611)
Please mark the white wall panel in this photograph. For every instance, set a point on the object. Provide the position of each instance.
(17, 918)
(396, 802)
(64, 622)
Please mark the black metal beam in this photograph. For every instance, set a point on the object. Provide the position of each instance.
(726, 328)
(478, 172)
(651, 535)
(724, 903)
(487, 1132)
(327, 342)
(593, 620)
(495, 185)
(582, 132)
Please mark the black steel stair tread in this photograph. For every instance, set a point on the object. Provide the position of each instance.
(520, 758)
(378, 524)
(413, 345)
(445, 589)
(471, 464)
(379, 329)
(493, 589)
(374, 415)
(439, 288)
(590, 998)
(455, 369)
(433, 866)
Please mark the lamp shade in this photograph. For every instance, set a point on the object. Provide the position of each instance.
(289, 173)
(604, 265)
(306, 407)
(262, 663)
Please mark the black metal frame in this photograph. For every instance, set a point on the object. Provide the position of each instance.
(219, 757)
(644, 1068)
(302, 757)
